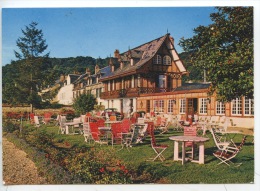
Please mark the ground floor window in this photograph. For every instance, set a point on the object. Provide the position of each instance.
(249, 106)
(182, 106)
(236, 106)
(159, 106)
(203, 108)
(170, 106)
(220, 108)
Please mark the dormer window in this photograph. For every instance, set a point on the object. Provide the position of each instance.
(166, 60)
(157, 59)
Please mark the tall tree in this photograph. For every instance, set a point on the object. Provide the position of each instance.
(32, 53)
(224, 49)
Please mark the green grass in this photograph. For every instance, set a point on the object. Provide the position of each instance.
(172, 171)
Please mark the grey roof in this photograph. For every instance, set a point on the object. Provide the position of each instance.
(73, 77)
(143, 52)
(192, 86)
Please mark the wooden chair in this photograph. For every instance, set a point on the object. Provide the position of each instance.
(227, 154)
(158, 149)
(190, 131)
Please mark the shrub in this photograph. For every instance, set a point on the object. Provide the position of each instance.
(84, 103)
(9, 126)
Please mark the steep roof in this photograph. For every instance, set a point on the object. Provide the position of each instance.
(73, 77)
(144, 53)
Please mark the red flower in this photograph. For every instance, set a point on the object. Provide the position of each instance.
(101, 170)
(122, 167)
(126, 171)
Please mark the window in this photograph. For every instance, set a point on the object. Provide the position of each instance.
(133, 81)
(236, 105)
(249, 106)
(166, 60)
(170, 106)
(203, 109)
(159, 106)
(221, 109)
(98, 92)
(182, 106)
(162, 81)
(157, 59)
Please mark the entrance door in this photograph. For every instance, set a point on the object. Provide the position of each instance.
(192, 107)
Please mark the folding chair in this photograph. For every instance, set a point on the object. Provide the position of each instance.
(87, 132)
(96, 135)
(190, 131)
(158, 149)
(229, 153)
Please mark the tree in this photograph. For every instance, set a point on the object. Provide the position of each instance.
(224, 49)
(32, 47)
(84, 103)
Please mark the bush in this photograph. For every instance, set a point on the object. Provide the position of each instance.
(84, 103)
(10, 127)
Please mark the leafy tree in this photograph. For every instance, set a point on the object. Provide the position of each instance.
(84, 103)
(225, 50)
(32, 47)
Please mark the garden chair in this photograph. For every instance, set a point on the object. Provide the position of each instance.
(36, 121)
(32, 118)
(96, 135)
(47, 117)
(61, 121)
(116, 129)
(220, 141)
(126, 125)
(142, 133)
(140, 120)
(87, 133)
(158, 149)
(112, 118)
(132, 137)
(227, 154)
(190, 131)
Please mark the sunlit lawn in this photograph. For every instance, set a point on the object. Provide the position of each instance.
(137, 157)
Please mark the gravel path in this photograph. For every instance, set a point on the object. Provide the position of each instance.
(17, 168)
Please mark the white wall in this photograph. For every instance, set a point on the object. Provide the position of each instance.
(65, 95)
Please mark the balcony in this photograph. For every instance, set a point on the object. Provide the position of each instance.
(133, 92)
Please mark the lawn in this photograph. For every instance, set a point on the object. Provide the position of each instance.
(137, 158)
(173, 172)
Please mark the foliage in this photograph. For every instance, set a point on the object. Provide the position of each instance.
(84, 103)
(27, 80)
(225, 50)
(9, 126)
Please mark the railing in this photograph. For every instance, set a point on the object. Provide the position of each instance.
(132, 92)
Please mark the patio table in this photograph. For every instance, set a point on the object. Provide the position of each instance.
(70, 124)
(183, 139)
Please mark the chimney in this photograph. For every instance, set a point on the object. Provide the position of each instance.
(88, 71)
(112, 67)
(116, 53)
(96, 69)
(121, 65)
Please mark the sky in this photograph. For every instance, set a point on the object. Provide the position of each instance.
(97, 32)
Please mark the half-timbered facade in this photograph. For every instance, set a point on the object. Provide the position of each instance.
(148, 78)
(151, 68)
